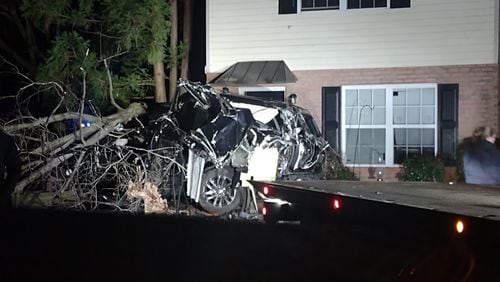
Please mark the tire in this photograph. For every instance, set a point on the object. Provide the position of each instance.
(217, 196)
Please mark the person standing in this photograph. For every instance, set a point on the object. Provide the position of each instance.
(482, 158)
(10, 169)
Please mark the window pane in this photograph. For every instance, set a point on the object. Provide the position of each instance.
(413, 116)
(320, 3)
(428, 96)
(333, 3)
(353, 147)
(399, 115)
(366, 116)
(413, 136)
(427, 136)
(365, 97)
(379, 139)
(428, 115)
(378, 153)
(349, 154)
(366, 3)
(400, 3)
(399, 97)
(351, 137)
(287, 7)
(379, 97)
(414, 152)
(351, 97)
(399, 155)
(307, 3)
(413, 97)
(365, 137)
(380, 3)
(428, 151)
(365, 156)
(379, 115)
(351, 116)
(400, 136)
(352, 4)
(370, 144)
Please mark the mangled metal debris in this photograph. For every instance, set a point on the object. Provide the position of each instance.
(220, 138)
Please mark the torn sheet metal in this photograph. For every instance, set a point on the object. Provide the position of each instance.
(221, 134)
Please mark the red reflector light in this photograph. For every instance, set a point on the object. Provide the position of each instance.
(336, 204)
(265, 190)
(264, 211)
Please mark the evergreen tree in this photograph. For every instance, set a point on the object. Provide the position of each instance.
(104, 45)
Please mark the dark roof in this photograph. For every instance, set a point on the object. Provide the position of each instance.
(256, 72)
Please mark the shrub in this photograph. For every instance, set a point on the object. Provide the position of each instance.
(423, 168)
(334, 169)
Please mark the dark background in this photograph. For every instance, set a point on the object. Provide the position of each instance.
(49, 245)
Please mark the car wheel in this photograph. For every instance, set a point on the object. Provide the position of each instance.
(217, 195)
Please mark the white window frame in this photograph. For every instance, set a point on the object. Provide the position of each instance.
(389, 126)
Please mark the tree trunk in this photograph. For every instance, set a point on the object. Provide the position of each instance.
(159, 78)
(173, 50)
(186, 38)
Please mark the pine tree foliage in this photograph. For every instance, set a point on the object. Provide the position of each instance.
(130, 35)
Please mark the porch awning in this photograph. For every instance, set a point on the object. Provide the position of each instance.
(256, 72)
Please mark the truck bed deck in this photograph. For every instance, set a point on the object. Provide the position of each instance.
(470, 200)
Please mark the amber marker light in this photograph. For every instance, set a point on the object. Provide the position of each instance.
(459, 226)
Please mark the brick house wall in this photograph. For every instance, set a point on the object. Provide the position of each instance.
(478, 92)
(478, 88)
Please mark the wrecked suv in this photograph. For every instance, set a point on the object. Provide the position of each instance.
(221, 139)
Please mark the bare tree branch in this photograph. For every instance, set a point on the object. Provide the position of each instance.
(48, 120)
(37, 174)
(111, 98)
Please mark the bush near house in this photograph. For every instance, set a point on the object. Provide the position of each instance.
(334, 169)
(423, 168)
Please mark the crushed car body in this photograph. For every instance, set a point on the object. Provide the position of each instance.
(221, 138)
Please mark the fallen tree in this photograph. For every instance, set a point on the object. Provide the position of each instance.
(85, 160)
(79, 140)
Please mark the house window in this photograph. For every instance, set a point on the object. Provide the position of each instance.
(356, 4)
(319, 4)
(400, 4)
(387, 124)
(287, 7)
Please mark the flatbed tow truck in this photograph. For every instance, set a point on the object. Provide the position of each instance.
(353, 231)
(408, 207)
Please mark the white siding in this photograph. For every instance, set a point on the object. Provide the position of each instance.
(430, 33)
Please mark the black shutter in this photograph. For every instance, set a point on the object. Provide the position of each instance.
(331, 116)
(448, 123)
(287, 7)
